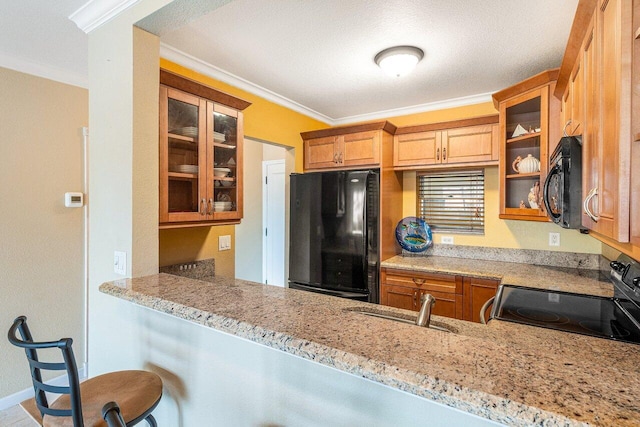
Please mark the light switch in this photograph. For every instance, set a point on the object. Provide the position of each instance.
(120, 262)
(224, 243)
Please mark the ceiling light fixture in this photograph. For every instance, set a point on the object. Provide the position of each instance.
(399, 60)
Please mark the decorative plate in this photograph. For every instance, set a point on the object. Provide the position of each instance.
(413, 234)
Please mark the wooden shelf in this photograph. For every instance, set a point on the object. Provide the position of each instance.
(182, 176)
(182, 137)
(223, 178)
(523, 175)
(221, 145)
(523, 137)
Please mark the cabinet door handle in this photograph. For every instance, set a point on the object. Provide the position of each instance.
(437, 154)
(587, 201)
(417, 281)
(335, 158)
(415, 299)
(203, 207)
(444, 153)
(340, 158)
(210, 207)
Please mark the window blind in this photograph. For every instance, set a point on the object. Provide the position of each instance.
(452, 201)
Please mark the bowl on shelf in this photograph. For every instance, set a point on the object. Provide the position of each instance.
(226, 183)
(221, 172)
(222, 206)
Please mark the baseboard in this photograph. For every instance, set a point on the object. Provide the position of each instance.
(27, 393)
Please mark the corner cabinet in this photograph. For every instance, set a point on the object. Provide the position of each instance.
(528, 123)
(200, 156)
(348, 147)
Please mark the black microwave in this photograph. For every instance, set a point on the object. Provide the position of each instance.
(562, 191)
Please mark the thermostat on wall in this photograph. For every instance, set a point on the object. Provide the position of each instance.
(73, 200)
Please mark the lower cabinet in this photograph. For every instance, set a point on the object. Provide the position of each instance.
(475, 293)
(404, 289)
(457, 297)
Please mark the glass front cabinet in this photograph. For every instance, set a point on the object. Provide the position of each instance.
(200, 160)
(528, 130)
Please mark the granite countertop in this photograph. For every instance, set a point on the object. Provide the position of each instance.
(514, 374)
(581, 281)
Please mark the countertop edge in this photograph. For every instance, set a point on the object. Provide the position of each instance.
(475, 402)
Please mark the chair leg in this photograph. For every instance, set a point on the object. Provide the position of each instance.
(151, 421)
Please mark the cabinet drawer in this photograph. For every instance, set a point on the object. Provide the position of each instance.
(433, 282)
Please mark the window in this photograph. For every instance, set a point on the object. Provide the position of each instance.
(452, 201)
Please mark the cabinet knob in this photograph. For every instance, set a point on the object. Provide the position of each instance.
(437, 154)
(444, 153)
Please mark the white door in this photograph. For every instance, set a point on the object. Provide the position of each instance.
(273, 201)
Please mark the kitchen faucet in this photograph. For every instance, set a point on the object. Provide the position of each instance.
(424, 317)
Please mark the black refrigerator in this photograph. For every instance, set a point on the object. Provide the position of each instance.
(334, 233)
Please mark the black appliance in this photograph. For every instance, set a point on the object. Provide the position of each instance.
(562, 192)
(334, 233)
(616, 318)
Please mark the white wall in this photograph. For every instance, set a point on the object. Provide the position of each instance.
(250, 234)
(41, 241)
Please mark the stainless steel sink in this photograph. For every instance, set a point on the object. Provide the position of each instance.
(403, 319)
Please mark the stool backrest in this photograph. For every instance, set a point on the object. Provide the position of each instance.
(36, 367)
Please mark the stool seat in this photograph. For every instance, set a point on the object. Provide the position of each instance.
(135, 391)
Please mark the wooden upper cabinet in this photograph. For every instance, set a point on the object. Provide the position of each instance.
(416, 148)
(461, 142)
(599, 60)
(359, 149)
(200, 149)
(346, 147)
(320, 153)
(528, 108)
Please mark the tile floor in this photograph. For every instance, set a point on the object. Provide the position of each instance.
(15, 417)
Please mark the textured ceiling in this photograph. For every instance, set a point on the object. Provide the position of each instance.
(319, 53)
(37, 37)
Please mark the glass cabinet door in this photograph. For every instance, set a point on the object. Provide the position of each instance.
(225, 177)
(183, 192)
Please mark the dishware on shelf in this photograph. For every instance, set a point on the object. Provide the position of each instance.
(221, 172)
(519, 131)
(223, 196)
(222, 206)
(413, 234)
(186, 168)
(218, 137)
(226, 183)
(527, 165)
(534, 196)
(190, 131)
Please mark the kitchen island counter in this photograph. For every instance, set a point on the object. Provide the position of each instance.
(512, 374)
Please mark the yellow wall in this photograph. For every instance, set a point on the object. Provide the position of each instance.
(263, 120)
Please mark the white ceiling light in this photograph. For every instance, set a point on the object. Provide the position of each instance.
(399, 60)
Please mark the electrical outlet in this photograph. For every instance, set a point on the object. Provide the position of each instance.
(446, 240)
(224, 243)
(120, 262)
(554, 239)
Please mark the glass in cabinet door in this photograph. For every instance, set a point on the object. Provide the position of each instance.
(183, 155)
(226, 163)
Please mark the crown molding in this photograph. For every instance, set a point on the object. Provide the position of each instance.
(203, 67)
(44, 70)
(415, 109)
(94, 13)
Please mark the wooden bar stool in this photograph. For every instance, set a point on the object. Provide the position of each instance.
(80, 404)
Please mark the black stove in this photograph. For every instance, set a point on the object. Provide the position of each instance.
(616, 318)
